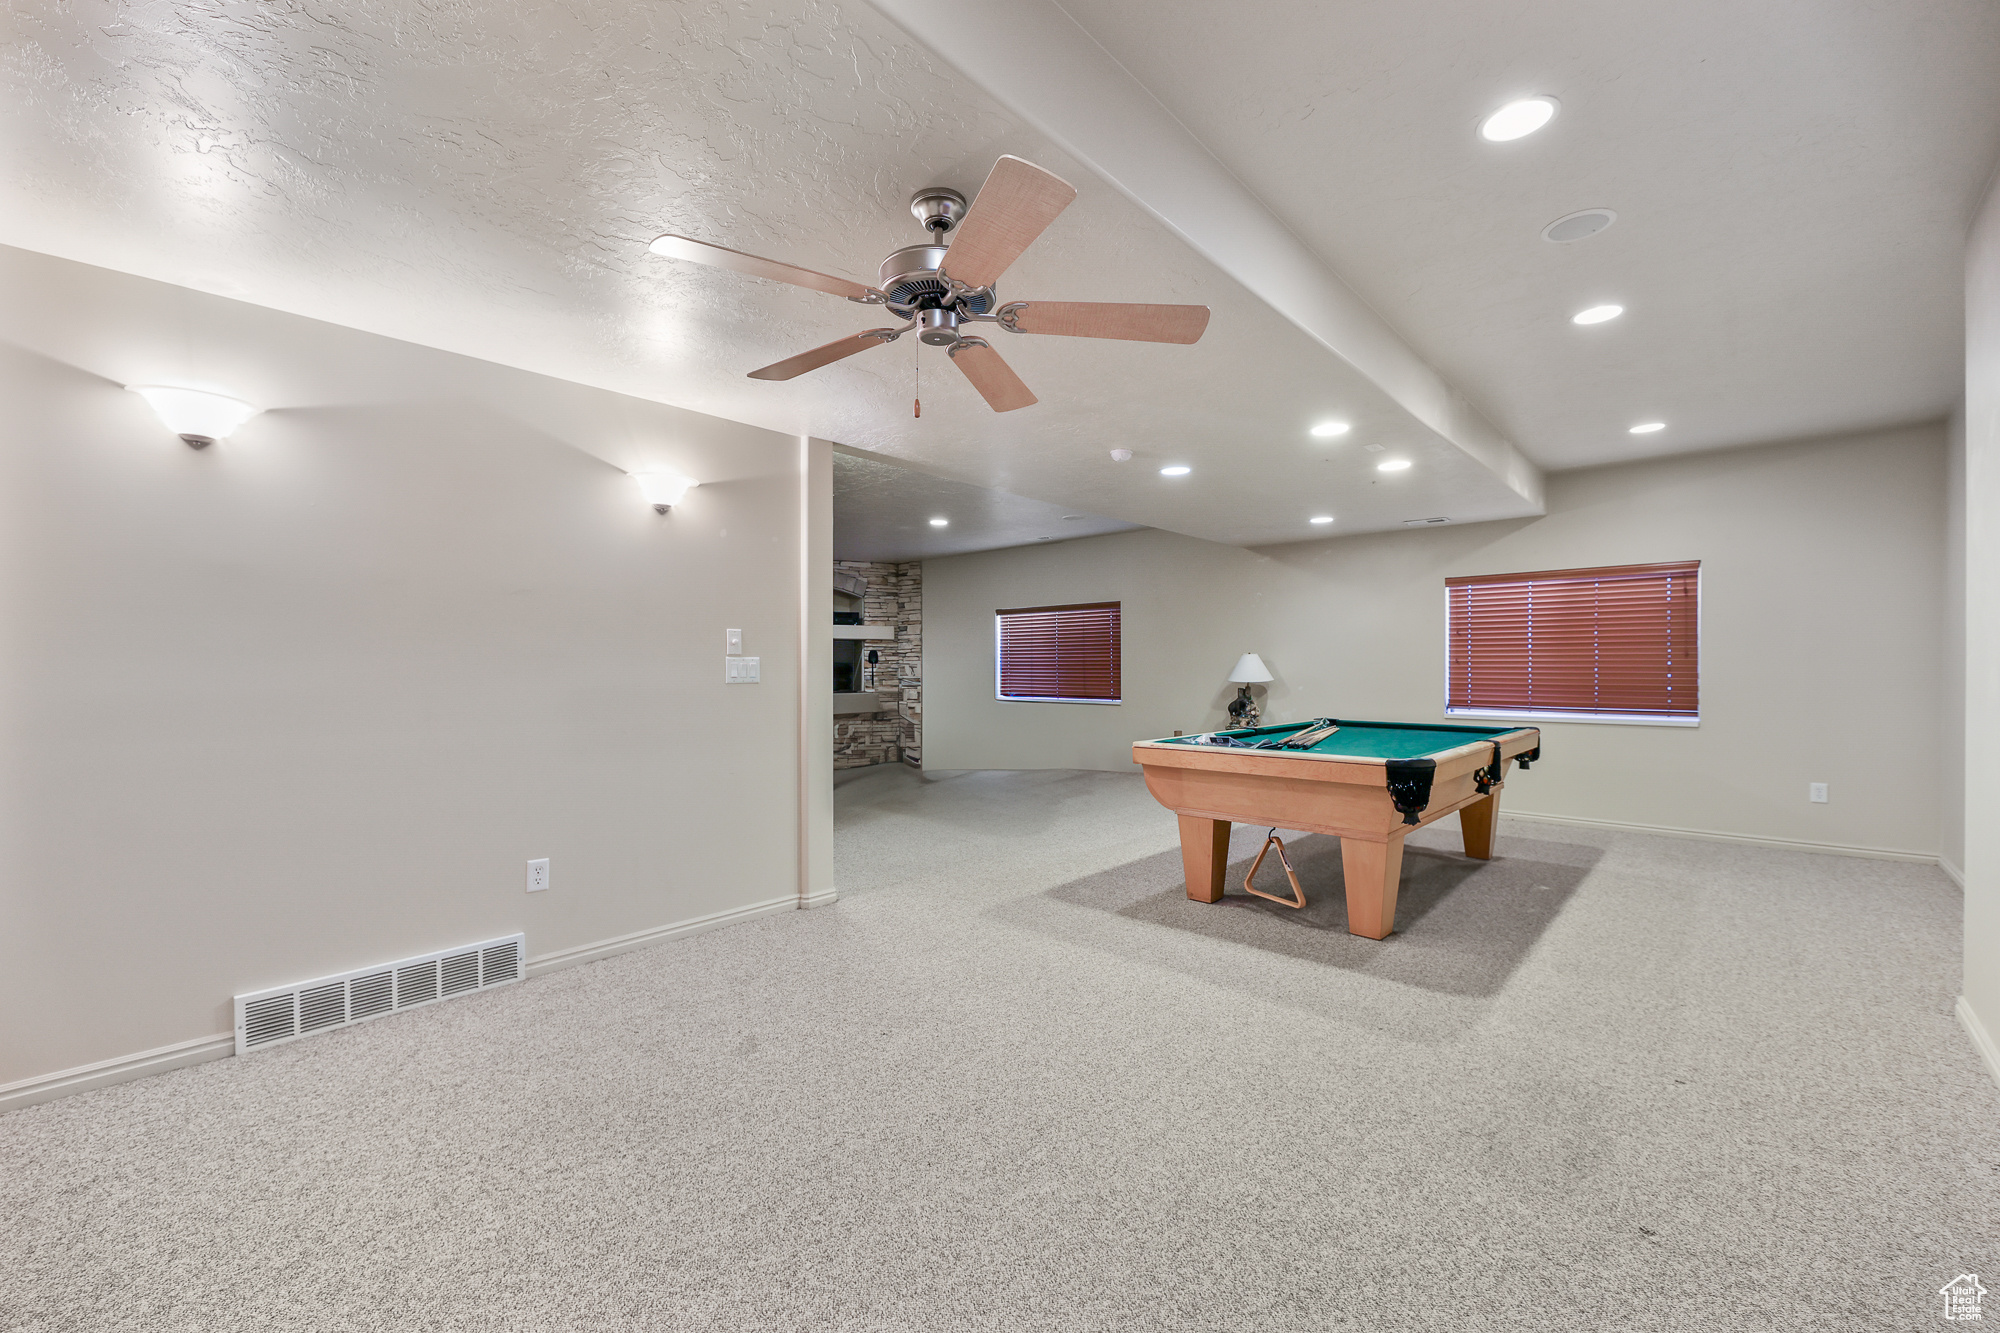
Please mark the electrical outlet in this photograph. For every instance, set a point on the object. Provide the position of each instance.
(1817, 792)
(538, 875)
(732, 642)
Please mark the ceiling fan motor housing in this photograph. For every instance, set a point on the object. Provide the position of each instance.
(910, 281)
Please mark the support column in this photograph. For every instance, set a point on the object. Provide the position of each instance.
(815, 672)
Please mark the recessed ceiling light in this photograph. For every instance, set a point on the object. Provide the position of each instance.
(1326, 428)
(1320, 518)
(1648, 427)
(1597, 314)
(1071, 518)
(1518, 119)
(1175, 471)
(1576, 226)
(940, 522)
(1392, 465)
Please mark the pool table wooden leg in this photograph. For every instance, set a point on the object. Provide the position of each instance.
(1373, 871)
(1476, 823)
(1204, 856)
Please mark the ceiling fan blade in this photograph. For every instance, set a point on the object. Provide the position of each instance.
(994, 378)
(794, 366)
(1102, 319)
(715, 256)
(1017, 203)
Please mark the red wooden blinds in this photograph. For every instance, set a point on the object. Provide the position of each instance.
(1614, 640)
(1060, 652)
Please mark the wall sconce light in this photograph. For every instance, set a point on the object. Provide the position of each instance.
(200, 418)
(663, 490)
(1250, 670)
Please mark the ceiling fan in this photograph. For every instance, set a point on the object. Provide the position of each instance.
(941, 287)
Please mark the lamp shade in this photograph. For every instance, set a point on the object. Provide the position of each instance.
(664, 490)
(195, 414)
(1250, 670)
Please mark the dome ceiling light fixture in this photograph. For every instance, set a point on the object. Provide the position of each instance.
(943, 289)
(1576, 226)
(1517, 120)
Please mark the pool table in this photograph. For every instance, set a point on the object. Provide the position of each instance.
(1368, 784)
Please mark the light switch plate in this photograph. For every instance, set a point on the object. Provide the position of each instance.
(742, 670)
(538, 875)
(732, 642)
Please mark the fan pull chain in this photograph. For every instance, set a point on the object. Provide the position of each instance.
(917, 360)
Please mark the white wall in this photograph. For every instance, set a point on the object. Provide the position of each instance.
(1794, 690)
(1982, 624)
(309, 699)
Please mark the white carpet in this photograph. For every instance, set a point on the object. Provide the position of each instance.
(1014, 1080)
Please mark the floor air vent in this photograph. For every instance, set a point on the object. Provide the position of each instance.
(269, 1017)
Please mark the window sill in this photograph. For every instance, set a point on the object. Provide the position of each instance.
(1040, 699)
(1612, 719)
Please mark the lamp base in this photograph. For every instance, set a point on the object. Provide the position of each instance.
(1243, 710)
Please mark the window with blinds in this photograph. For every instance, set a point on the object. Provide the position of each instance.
(1614, 644)
(1059, 654)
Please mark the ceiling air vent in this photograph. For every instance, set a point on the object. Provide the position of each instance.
(1424, 522)
(267, 1018)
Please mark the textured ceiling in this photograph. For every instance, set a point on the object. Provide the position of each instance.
(883, 511)
(1792, 180)
(484, 177)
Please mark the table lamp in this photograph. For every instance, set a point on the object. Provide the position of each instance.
(1250, 669)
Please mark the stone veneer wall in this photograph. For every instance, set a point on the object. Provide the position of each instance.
(895, 597)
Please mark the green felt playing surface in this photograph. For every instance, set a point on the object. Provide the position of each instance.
(1368, 740)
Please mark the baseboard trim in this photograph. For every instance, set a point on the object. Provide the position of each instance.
(825, 897)
(639, 939)
(121, 1069)
(1705, 835)
(1982, 1041)
(124, 1068)
(1954, 873)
